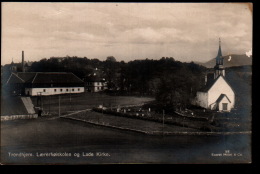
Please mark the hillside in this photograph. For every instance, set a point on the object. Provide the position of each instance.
(240, 78)
(236, 60)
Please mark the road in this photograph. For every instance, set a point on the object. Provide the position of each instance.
(43, 135)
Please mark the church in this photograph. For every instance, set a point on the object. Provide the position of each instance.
(217, 94)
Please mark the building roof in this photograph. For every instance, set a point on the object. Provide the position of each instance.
(56, 77)
(219, 50)
(44, 78)
(14, 79)
(209, 85)
(26, 76)
(93, 78)
(221, 98)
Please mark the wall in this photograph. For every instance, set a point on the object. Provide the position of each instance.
(96, 86)
(15, 117)
(201, 99)
(224, 100)
(51, 91)
(220, 87)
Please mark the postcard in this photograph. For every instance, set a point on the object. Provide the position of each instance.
(126, 83)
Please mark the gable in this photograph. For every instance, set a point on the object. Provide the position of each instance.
(223, 97)
(26, 76)
(14, 79)
(221, 84)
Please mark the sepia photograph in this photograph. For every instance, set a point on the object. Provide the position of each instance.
(126, 83)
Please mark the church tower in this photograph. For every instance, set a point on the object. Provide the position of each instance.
(13, 67)
(219, 68)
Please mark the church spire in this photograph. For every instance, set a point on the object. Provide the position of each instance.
(219, 68)
(219, 58)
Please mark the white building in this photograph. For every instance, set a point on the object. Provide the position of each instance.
(95, 82)
(217, 94)
(44, 83)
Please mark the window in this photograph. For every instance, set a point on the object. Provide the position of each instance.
(44, 90)
(224, 106)
(78, 89)
(60, 90)
(55, 90)
(67, 90)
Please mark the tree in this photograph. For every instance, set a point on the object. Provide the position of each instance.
(111, 59)
(175, 89)
(110, 71)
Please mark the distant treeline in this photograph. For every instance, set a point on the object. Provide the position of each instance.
(171, 82)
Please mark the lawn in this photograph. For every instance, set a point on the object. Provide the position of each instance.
(75, 102)
(129, 123)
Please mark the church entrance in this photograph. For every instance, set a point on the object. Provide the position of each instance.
(224, 106)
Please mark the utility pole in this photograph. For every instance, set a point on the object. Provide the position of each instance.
(163, 121)
(50, 104)
(70, 98)
(59, 105)
(41, 101)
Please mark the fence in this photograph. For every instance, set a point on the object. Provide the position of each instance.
(16, 117)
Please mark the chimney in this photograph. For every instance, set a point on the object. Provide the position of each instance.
(22, 61)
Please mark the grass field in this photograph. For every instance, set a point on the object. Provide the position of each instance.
(129, 123)
(75, 102)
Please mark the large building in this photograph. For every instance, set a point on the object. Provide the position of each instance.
(217, 94)
(43, 83)
(95, 82)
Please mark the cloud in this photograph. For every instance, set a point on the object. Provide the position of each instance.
(186, 31)
(229, 58)
(249, 53)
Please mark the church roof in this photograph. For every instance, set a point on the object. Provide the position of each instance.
(219, 51)
(221, 98)
(209, 85)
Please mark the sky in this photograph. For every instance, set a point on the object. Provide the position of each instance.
(127, 31)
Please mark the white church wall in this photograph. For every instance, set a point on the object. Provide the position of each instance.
(220, 87)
